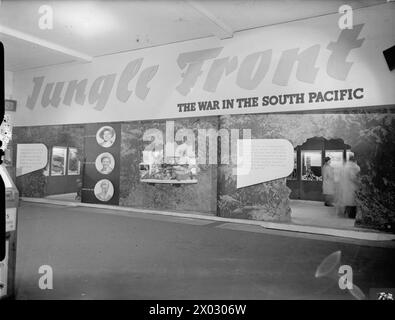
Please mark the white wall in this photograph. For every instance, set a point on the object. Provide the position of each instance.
(9, 94)
(9, 79)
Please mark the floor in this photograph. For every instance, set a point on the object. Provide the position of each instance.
(70, 197)
(308, 213)
(314, 213)
(96, 254)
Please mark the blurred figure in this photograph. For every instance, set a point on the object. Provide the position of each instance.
(79, 189)
(349, 183)
(328, 184)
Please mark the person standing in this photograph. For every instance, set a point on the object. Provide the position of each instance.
(328, 187)
(350, 184)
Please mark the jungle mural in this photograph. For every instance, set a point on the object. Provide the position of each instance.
(199, 197)
(371, 135)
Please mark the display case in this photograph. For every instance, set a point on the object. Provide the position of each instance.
(180, 168)
(7, 266)
(305, 181)
(171, 173)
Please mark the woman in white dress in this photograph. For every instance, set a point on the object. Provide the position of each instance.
(350, 185)
(328, 184)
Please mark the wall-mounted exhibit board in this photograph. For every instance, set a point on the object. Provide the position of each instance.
(52, 166)
(262, 160)
(101, 167)
(302, 65)
(30, 157)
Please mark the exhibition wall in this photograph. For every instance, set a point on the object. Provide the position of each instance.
(8, 84)
(369, 133)
(128, 187)
(199, 197)
(60, 175)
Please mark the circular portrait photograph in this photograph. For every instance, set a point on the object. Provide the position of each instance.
(105, 163)
(106, 136)
(104, 190)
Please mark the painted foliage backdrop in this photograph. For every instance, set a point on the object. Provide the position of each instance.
(371, 136)
(199, 197)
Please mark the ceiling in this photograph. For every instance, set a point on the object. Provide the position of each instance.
(83, 30)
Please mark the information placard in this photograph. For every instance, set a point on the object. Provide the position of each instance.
(30, 157)
(261, 160)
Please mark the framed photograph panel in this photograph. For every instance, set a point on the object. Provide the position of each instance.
(58, 161)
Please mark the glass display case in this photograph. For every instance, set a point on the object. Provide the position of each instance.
(73, 163)
(180, 168)
(305, 181)
(58, 161)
